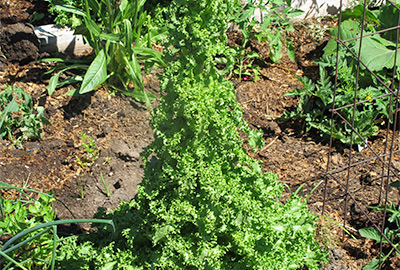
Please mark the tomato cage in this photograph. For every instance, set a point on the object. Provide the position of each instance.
(366, 107)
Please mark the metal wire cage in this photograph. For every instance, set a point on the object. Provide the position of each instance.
(380, 187)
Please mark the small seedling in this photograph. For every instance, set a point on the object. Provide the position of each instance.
(105, 184)
(392, 232)
(106, 160)
(91, 153)
(80, 188)
(246, 68)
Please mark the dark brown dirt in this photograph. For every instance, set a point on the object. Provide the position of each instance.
(120, 129)
(19, 43)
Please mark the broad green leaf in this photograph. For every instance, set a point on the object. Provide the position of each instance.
(348, 29)
(108, 266)
(11, 107)
(357, 13)
(95, 75)
(330, 48)
(161, 233)
(395, 184)
(290, 49)
(53, 83)
(376, 56)
(372, 234)
(372, 265)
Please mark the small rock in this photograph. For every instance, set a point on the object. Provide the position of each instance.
(273, 128)
(337, 254)
(107, 129)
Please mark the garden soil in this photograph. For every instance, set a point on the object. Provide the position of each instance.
(120, 129)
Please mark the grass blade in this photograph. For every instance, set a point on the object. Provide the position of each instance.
(53, 82)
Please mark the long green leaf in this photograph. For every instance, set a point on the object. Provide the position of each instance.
(5, 248)
(11, 107)
(142, 96)
(134, 72)
(93, 28)
(53, 82)
(71, 80)
(70, 9)
(96, 74)
(128, 36)
(147, 53)
(61, 60)
(94, 6)
(12, 260)
(111, 37)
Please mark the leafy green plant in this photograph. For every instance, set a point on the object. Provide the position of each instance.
(246, 67)
(21, 214)
(30, 222)
(114, 30)
(91, 153)
(64, 18)
(274, 22)
(392, 232)
(271, 26)
(316, 99)
(317, 29)
(203, 203)
(19, 118)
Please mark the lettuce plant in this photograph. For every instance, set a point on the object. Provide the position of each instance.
(203, 202)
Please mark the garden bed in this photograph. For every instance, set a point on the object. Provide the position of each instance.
(120, 130)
